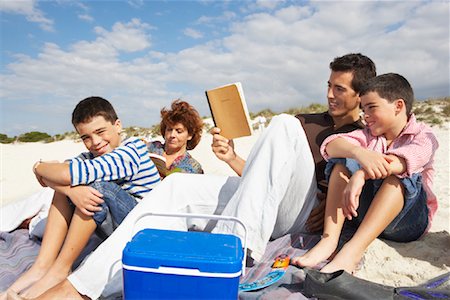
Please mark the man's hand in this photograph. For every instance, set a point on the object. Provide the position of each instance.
(86, 199)
(316, 217)
(222, 147)
(376, 165)
(224, 150)
(352, 191)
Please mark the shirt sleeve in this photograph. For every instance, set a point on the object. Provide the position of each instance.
(122, 162)
(356, 137)
(418, 152)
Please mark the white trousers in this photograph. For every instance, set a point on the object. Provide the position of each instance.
(273, 197)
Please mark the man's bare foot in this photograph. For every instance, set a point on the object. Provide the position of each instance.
(28, 278)
(48, 281)
(319, 253)
(347, 259)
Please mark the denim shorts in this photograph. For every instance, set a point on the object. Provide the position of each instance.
(116, 206)
(410, 223)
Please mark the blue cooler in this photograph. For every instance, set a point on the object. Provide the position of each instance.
(167, 264)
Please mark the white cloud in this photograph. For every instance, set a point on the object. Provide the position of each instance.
(195, 34)
(128, 37)
(281, 58)
(29, 10)
(136, 3)
(226, 16)
(86, 17)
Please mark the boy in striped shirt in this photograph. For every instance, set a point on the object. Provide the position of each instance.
(380, 177)
(109, 179)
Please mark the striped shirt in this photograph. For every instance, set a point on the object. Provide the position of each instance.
(416, 144)
(128, 165)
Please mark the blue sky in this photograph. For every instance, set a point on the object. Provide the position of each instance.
(141, 55)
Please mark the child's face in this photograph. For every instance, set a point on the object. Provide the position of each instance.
(381, 115)
(100, 136)
(176, 137)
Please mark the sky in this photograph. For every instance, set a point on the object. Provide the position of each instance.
(142, 55)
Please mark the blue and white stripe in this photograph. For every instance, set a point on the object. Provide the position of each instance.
(129, 165)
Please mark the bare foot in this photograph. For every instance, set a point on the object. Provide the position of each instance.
(48, 281)
(63, 290)
(347, 259)
(11, 295)
(27, 279)
(319, 253)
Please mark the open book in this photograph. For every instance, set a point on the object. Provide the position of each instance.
(229, 110)
(160, 163)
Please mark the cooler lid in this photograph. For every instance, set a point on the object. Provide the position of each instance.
(207, 252)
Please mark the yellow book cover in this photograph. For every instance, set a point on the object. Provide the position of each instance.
(229, 110)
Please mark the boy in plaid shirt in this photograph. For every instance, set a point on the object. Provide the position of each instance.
(380, 177)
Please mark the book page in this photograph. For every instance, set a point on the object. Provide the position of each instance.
(160, 163)
(229, 110)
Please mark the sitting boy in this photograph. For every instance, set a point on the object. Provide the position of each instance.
(379, 177)
(111, 178)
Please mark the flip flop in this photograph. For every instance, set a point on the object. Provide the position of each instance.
(279, 267)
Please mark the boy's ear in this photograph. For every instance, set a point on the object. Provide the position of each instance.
(118, 125)
(399, 105)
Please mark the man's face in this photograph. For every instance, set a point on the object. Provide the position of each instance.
(100, 136)
(342, 99)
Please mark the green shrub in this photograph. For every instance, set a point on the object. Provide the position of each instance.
(33, 136)
(4, 139)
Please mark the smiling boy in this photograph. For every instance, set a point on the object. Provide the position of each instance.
(380, 177)
(111, 178)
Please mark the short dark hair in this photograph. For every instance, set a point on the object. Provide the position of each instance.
(92, 107)
(184, 113)
(362, 67)
(391, 86)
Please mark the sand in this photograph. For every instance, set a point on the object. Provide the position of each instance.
(384, 262)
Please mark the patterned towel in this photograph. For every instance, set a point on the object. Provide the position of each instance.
(291, 284)
(17, 254)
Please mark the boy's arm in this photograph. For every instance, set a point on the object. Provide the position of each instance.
(55, 172)
(224, 150)
(375, 164)
(84, 197)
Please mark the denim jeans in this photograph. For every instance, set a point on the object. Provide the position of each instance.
(412, 220)
(116, 206)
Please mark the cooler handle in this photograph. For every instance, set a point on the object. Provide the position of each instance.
(200, 216)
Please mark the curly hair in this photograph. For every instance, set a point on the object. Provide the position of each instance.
(184, 113)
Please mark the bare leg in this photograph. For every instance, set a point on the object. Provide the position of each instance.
(80, 230)
(333, 221)
(63, 290)
(386, 205)
(55, 232)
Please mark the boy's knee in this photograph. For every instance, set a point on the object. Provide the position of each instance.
(104, 186)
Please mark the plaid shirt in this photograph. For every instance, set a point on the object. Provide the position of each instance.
(416, 144)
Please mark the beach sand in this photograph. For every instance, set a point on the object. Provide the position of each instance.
(384, 262)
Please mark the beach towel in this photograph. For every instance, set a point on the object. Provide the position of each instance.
(18, 251)
(17, 254)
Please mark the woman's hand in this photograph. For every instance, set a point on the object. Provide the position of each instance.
(86, 198)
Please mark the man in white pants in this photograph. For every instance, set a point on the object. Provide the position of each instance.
(273, 196)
